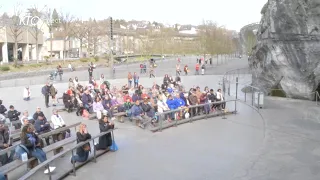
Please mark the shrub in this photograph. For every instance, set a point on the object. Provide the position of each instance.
(96, 58)
(35, 65)
(4, 68)
(84, 59)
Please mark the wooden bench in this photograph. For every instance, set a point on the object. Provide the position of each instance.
(44, 135)
(18, 163)
(119, 116)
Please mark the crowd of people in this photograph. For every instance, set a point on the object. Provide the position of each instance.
(98, 97)
(139, 103)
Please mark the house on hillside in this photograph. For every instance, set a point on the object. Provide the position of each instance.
(187, 29)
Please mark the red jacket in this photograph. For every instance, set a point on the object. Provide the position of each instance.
(127, 97)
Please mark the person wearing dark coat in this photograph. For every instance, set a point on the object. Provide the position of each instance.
(83, 151)
(87, 100)
(67, 101)
(3, 109)
(13, 116)
(42, 126)
(39, 113)
(105, 141)
(5, 142)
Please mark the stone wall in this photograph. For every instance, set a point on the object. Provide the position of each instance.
(287, 55)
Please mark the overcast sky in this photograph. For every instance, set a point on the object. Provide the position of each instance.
(233, 14)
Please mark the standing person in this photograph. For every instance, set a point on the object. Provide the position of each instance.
(144, 68)
(136, 80)
(90, 70)
(83, 151)
(186, 70)
(102, 79)
(130, 79)
(32, 143)
(210, 61)
(178, 70)
(197, 68)
(105, 141)
(220, 99)
(203, 67)
(46, 93)
(152, 73)
(53, 93)
(70, 67)
(26, 93)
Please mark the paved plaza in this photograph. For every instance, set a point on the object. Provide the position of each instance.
(281, 145)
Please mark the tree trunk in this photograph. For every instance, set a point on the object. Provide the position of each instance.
(51, 42)
(80, 49)
(15, 53)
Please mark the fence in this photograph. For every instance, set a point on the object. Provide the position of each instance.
(63, 153)
(194, 110)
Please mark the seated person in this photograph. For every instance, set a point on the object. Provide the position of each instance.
(106, 103)
(58, 122)
(149, 111)
(105, 141)
(155, 86)
(136, 96)
(13, 116)
(39, 113)
(5, 142)
(3, 109)
(26, 115)
(83, 151)
(87, 100)
(98, 107)
(67, 101)
(42, 126)
(33, 146)
(138, 114)
(172, 104)
(170, 89)
(127, 97)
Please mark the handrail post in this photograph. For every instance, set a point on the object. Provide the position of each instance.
(235, 106)
(245, 95)
(50, 178)
(252, 100)
(94, 152)
(73, 164)
(258, 101)
(161, 121)
(237, 83)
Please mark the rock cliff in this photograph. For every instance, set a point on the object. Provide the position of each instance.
(287, 55)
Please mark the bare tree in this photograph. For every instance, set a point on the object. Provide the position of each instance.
(79, 31)
(66, 24)
(36, 27)
(53, 21)
(16, 28)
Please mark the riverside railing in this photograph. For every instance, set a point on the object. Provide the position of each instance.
(163, 123)
(64, 168)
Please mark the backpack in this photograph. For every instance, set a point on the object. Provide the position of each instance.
(44, 90)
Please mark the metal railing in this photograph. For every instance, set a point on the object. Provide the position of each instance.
(61, 154)
(194, 112)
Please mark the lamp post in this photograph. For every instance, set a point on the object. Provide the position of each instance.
(111, 48)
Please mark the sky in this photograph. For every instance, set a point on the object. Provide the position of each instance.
(233, 14)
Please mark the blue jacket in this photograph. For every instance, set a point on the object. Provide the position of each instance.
(105, 103)
(170, 90)
(180, 102)
(172, 104)
(39, 129)
(135, 97)
(136, 110)
(86, 99)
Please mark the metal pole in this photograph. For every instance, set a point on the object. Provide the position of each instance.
(258, 101)
(94, 152)
(111, 47)
(245, 95)
(237, 83)
(252, 96)
(127, 49)
(73, 164)
(160, 118)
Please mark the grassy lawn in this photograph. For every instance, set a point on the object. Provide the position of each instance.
(47, 65)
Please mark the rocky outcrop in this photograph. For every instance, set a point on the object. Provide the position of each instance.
(243, 33)
(287, 54)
